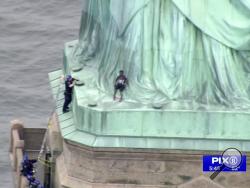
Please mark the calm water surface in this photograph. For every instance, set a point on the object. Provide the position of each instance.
(32, 35)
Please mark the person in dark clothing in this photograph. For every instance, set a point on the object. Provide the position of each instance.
(120, 84)
(27, 166)
(33, 182)
(69, 85)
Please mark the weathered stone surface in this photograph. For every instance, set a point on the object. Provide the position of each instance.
(80, 166)
(201, 182)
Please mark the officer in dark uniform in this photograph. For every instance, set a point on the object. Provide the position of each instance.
(27, 166)
(69, 85)
(120, 84)
(34, 183)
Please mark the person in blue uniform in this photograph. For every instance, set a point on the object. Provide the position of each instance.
(33, 182)
(69, 85)
(120, 84)
(28, 166)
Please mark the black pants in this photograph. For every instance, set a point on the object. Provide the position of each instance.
(67, 101)
(120, 87)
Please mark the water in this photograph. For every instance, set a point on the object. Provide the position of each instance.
(32, 35)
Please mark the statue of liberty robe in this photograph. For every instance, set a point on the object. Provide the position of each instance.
(187, 53)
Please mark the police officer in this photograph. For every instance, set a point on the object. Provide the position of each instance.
(27, 166)
(34, 183)
(120, 84)
(69, 85)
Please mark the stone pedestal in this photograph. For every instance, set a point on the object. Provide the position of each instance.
(80, 166)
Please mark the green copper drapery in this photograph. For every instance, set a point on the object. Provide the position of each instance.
(193, 52)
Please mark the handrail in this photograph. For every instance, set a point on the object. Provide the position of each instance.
(16, 152)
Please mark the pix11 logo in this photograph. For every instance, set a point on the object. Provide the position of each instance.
(231, 160)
